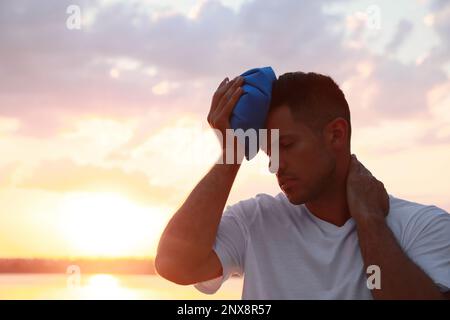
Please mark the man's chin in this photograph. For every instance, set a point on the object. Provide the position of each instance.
(294, 198)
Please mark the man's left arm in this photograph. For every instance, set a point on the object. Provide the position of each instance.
(368, 203)
(401, 278)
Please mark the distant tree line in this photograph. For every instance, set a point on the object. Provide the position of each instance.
(102, 265)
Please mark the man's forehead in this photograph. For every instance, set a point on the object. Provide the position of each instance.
(287, 126)
(280, 118)
(288, 135)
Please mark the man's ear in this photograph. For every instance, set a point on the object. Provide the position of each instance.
(336, 133)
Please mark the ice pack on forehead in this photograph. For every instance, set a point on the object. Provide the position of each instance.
(252, 108)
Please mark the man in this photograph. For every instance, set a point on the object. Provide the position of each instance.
(333, 225)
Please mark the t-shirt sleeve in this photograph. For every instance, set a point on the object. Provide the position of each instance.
(230, 246)
(429, 245)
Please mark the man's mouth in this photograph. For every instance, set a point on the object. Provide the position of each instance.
(286, 183)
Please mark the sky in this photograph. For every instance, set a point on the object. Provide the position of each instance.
(103, 129)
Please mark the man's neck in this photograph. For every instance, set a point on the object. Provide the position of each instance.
(331, 205)
(332, 208)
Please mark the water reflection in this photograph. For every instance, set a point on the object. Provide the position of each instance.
(106, 286)
(103, 286)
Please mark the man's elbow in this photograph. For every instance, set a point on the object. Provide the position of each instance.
(172, 271)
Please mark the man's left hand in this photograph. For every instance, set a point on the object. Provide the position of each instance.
(366, 196)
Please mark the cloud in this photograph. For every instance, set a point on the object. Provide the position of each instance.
(7, 174)
(404, 29)
(130, 61)
(441, 24)
(57, 73)
(8, 126)
(403, 88)
(62, 176)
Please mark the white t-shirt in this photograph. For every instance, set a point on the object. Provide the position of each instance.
(285, 252)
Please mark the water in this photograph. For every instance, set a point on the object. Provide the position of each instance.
(105, 286)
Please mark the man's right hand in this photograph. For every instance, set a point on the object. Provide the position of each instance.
(223, 102)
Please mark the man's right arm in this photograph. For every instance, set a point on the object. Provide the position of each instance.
(185, 252)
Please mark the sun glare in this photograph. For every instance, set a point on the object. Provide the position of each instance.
(105, 286)
(108, 224)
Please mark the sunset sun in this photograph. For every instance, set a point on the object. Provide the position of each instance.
(108, 224)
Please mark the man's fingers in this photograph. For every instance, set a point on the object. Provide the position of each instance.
(355, 167)
(224, 100)
(358, 167)
(223, 88)
(234, 84)
(224, 81)
(365, 171)
(228, 108)
(218, 94)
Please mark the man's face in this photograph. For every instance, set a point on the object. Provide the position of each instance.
(306, 164)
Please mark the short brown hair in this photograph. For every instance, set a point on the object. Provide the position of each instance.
(313, 98)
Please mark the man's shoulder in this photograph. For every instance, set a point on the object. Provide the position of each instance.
(399, 206)
(262, 206)
(423, 232)
(263, 200)
(405, 213)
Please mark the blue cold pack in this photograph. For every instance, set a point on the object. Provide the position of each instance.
(252, 108)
